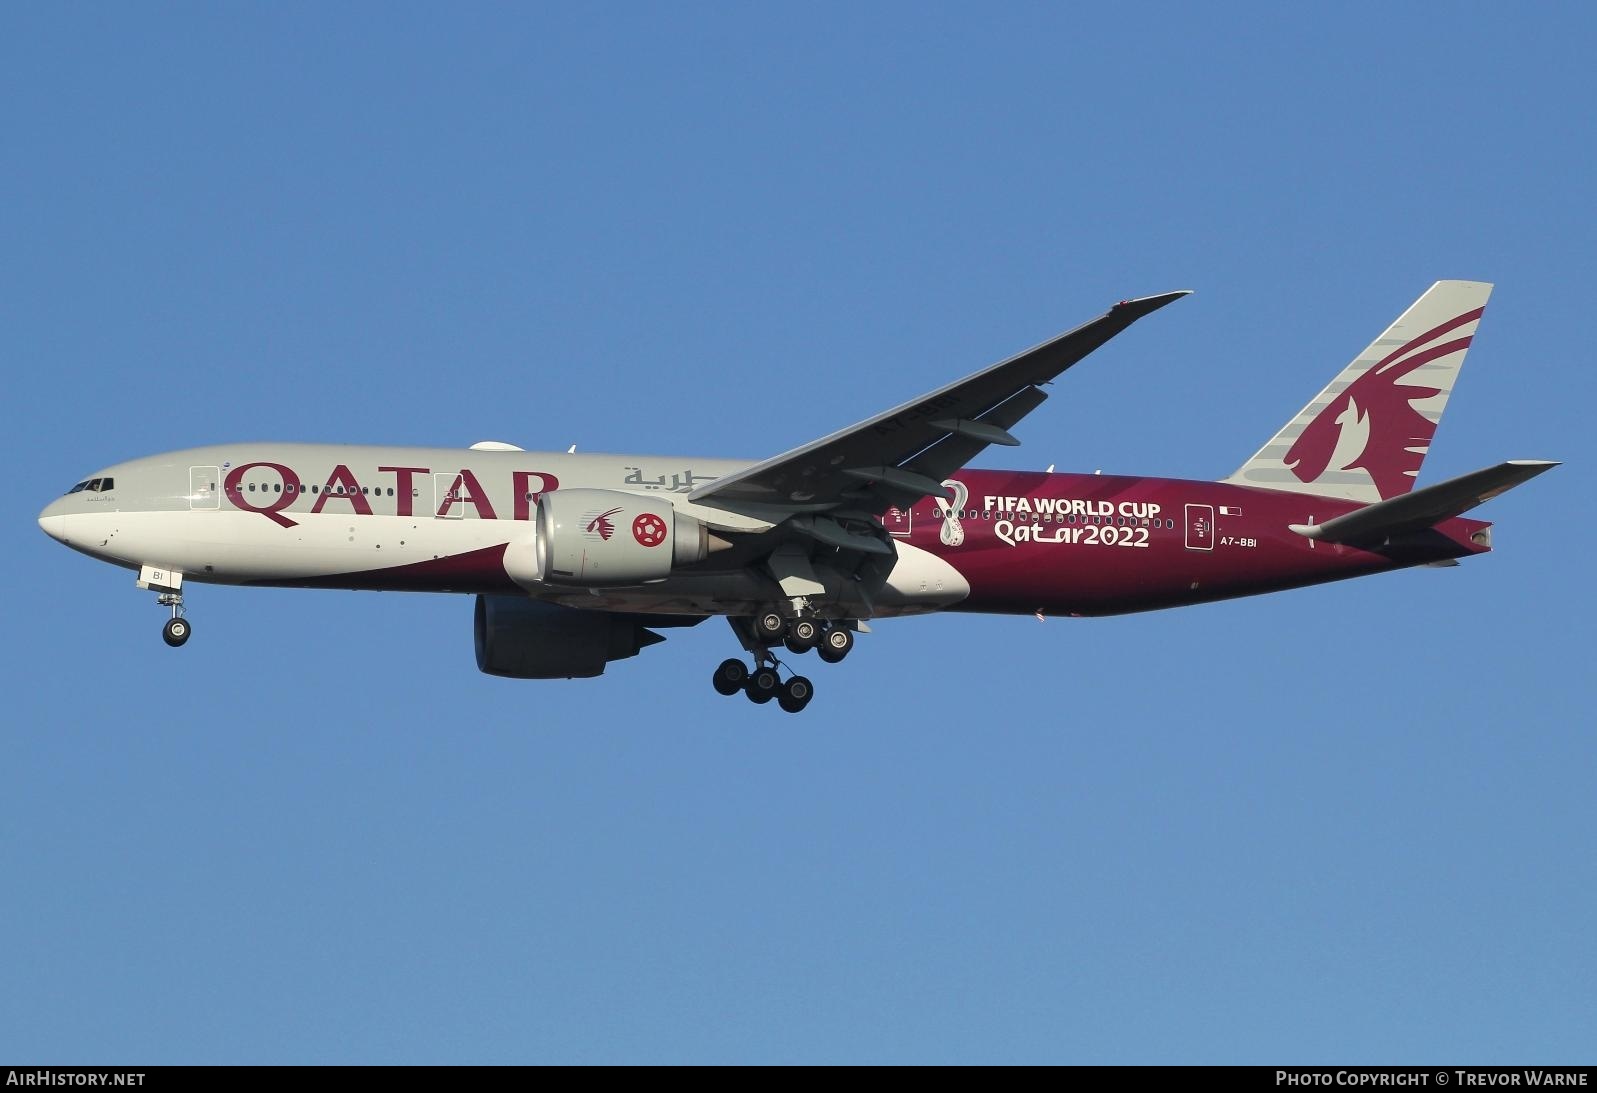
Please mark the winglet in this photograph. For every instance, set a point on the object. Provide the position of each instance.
(1145, 305)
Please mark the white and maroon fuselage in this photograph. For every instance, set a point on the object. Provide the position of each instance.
(462, 520)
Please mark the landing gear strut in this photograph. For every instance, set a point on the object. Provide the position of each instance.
(762, 681)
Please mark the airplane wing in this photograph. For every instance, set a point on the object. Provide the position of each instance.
(902, 455)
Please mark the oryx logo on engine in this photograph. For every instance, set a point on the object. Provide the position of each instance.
(601, 526)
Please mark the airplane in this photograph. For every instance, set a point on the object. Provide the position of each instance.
(578, 560)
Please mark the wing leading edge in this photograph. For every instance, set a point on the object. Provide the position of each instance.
(902, 455)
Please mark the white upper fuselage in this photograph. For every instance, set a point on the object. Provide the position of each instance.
(415, 518)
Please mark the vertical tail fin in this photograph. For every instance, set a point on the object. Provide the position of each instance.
(1365, 436)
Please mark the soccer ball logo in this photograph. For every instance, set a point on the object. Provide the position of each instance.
(649, 530)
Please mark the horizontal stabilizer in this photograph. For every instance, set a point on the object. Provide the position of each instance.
(1426, 507)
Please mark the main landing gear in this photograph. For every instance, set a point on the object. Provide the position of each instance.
(763, 682)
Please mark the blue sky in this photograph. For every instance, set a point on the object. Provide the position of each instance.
(1346, 824)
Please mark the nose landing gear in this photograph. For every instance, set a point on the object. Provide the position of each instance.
(168, 588)
(176, 631)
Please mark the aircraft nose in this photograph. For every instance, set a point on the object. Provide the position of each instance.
(54, 521)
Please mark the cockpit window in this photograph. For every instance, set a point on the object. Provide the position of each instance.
(94, 485)
(79, 488)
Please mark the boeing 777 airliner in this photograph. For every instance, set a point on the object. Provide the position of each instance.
(577, 560)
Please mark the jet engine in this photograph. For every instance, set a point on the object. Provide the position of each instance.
(605, 537)
(524, 639)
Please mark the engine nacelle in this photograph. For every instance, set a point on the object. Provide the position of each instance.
(605, 537)
(525, 639)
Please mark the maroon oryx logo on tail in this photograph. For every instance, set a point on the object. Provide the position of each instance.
(1373, 424)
